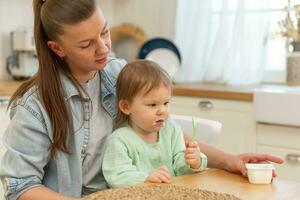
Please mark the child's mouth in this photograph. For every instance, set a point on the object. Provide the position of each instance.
(159, 122)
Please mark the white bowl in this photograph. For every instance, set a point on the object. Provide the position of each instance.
(260, 173)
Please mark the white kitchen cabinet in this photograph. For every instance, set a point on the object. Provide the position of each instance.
(238, 126)
(284, 142)
(4, 120)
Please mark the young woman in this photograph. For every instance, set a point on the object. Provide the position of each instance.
(61, 117)
(147, 147)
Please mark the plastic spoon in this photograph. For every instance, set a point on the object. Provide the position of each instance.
(194, 129)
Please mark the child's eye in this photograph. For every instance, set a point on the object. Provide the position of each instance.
(166, 103)
(152, 105)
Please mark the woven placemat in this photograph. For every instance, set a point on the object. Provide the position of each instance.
(161, 192)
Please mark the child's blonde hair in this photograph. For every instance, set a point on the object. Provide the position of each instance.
(135, 77)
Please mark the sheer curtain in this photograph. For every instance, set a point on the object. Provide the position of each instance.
(222, 41)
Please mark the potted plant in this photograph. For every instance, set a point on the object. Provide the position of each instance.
(290, 27)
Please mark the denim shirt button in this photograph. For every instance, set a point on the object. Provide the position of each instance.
(82, 151)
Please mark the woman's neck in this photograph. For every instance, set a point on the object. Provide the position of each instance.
(83, 78)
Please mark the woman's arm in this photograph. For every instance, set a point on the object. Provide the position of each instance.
(233, 163)
(41, 192)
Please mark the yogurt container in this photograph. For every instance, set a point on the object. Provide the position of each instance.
(260, 173)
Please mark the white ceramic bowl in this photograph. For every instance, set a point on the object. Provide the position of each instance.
(260, 173)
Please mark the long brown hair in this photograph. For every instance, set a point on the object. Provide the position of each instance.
(137, 76)
(49, 18)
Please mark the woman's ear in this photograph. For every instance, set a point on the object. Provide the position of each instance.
(56, 48)
(124, 106)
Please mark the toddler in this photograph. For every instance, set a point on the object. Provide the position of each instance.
(147, 147)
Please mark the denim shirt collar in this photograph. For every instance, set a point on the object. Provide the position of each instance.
(107, 91)
(107, 85)
(69, 90)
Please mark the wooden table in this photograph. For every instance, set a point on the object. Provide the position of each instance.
(222, 181)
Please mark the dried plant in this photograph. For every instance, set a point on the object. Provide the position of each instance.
(289, 28)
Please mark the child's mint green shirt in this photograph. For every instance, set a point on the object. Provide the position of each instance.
(129, 160)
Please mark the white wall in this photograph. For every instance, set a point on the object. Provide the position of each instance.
(13, 13)
(156, 17)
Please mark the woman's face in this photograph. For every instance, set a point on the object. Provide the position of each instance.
(85, 46)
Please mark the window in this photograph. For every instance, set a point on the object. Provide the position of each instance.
(276, 44)
(275, 68)
(234, 42)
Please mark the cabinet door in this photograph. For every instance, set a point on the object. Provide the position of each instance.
(282, 141)
(290, 169)
(238, 127)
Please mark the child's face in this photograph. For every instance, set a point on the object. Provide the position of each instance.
(148, 112)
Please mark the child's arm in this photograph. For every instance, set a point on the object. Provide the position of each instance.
(118, 167)
(159, 175)
(186, 160)
(194, 158)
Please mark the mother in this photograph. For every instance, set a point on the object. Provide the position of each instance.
(61, 117)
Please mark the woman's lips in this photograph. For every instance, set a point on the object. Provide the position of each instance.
(101, 60)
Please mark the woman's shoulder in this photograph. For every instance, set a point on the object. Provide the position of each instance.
(31, 102)
(29, 97)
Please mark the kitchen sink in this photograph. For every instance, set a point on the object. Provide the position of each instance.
(277, 105)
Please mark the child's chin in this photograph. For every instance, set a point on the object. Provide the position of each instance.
(157, 128)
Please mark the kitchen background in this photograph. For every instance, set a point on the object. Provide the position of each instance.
(255, 118)
(16, 13)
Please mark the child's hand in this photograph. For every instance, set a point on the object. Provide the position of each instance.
(192, 155)
(160, 175)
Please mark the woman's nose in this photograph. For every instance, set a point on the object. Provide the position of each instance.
(101, 47)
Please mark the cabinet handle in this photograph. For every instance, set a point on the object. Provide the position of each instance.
(293, 158)
(207, 105)
(4, 101)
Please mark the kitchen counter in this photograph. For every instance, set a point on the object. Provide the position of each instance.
(220, 181)
(243, 93)
(205, 90)
(7, 88)
(216, 91)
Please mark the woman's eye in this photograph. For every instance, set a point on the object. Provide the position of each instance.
(86, 45)
(104, 32)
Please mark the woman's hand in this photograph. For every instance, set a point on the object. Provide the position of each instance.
(192, 155)
(160, 175)
(233, 163)
(237, 163)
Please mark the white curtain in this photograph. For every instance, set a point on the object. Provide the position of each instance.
(222, 41)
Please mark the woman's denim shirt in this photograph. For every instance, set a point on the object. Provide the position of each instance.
(27, 162)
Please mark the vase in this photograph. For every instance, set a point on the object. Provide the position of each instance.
(296, 46)
(293, 68)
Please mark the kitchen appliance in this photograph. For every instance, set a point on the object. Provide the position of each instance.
(23, 62)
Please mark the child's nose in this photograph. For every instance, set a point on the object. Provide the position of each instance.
(162, 110)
